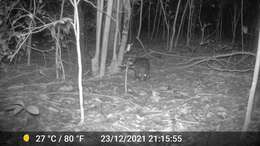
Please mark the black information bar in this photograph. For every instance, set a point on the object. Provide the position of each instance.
(130, 138)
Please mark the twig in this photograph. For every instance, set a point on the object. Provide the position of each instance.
(185, 121)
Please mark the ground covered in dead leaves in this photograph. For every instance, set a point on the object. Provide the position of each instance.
(187, 99)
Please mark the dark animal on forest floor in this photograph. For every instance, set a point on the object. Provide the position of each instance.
(141, 67)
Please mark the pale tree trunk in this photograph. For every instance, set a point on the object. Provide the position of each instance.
(149, 19)
(219, 23)
(131, 29)
(58, 59)
(28, 46)
(203, 27)
(140, 25)
(254, 83)
(234, 23)
(166, 23)
(158, 23)
(174, 25)
(189, 29)
(180, 27)
(105, 38)
(83, 34)
(126, 19)
(113, 68)
(95, 59)
(242, 24)
(29, 41)
(76, 28)
(253, 88)
(155, 18)
(164, 35)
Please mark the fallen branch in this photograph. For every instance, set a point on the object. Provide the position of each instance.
(198, 60)
(231, 70)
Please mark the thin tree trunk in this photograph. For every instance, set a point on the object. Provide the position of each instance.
(126, 18)
(114, 63)
(140, 26)
(83, 37)
(242, 23)
(105, 38)
(155, 19)
(219, 23)
(253, 88)
(164, 30)
(234, 24)
(76, 28)
(58, 59)
(180, 27)
(29, 41)
(95, 59)
(189, 29)
(174, 25)
(220, 27)
(203, 27)
(166, 23)
(28, 45)
(131, 30)
(158, 23)
(149, 19)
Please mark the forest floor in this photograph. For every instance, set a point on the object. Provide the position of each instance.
(191, 98)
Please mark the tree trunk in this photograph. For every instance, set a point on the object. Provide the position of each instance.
(76, 28)
(149, 19)
(158, 24)
(242, 24)
(253, 88)
(166, 23)
(234, 23)
(95, 59)
(105, 38)
(182, 20)
(126, 19)
(219, 23)
(83, 34)
(189, 29)
(113, 68)
(174, 25)
(155, 18)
